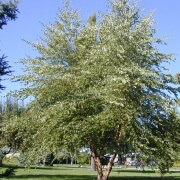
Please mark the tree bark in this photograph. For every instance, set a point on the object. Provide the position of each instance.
(96, 157)
(1, 164)
(95, 153)
(98, 164)
(93, 167)
(105, 175)
(102, 177)
(2, 155)
(67, 160)
(72, 158)
(110, 164)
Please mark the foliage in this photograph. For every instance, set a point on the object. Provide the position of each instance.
(8, 11)
(4, 69)
(83, 158)
(178, 76)
(99, 84)
(8, 109)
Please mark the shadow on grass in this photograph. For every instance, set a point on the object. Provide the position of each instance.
(64, 177)
(59, 168)
(133, 171)
(84, 177)
(144, 178)
(140, 171)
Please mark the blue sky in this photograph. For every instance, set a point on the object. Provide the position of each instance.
(34, 12)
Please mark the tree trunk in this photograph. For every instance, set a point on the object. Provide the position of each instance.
(67, 160)
(2, 155)
(93, 167)
(1, 164)
(72, 159)
(109, 166)
(105, 175)
(96, 154)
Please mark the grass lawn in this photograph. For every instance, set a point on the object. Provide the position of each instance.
(68, 172)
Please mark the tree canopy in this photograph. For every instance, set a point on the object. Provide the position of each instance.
(100, 83)
(178, 76)
(8, 11)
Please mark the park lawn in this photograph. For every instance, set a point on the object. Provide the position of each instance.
(67, 172)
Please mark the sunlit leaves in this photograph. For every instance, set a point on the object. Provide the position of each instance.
(92, 81)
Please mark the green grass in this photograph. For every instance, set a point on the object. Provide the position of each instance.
(68, 172)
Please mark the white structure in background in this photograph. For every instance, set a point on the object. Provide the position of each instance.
(12, 155)
(116, 160)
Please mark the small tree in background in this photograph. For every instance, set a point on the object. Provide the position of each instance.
(178, 77)
(8, 109)
(100, 84)
(83, 158)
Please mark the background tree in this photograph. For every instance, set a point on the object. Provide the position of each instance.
(8, 108)
(8, 11)
(178, 76)
(83, 158)
(100, 84)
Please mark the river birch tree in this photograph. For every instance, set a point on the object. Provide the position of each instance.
(99, 84)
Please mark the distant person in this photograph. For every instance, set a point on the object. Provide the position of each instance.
(142, 164)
